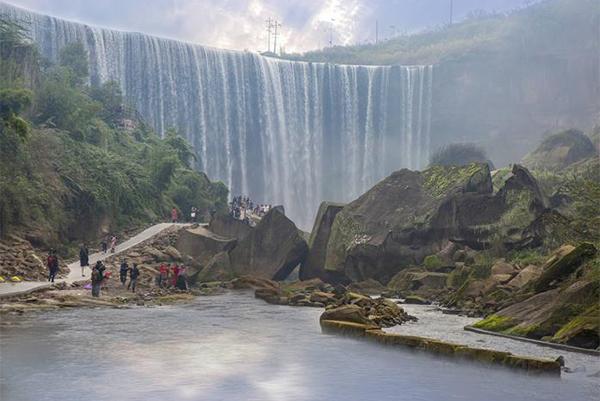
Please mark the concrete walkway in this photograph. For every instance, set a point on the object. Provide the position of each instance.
(13, 289)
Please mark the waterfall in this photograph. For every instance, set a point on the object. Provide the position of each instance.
(282, 132)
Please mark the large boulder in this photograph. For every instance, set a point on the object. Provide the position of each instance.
(201, 244)
(561, 150)
(218, 268)
(314, 264)
(272, 249)
(525, 276)
(562, 263)
(226, 226)
(411, 215)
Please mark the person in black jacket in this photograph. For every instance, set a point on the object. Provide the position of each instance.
(123, 272)
(134, 273)
(84, 258)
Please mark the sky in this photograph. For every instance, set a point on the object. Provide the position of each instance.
(241, 24)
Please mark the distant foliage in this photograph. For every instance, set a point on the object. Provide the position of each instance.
(458, 154)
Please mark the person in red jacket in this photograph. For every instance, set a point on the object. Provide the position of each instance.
(175, 274)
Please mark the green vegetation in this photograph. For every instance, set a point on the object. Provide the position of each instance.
(75, 159)
(495, 323)
(432, 262)
(439, 180)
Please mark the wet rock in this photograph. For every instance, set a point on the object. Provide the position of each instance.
(416, 300)
(348, 313)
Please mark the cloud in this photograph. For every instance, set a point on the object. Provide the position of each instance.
(240, 24)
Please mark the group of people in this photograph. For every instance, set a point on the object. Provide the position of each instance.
(241, 207)
(194, 211)
(172, 276)
(106, 241)
(133, 272)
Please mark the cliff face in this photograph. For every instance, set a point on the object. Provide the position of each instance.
(506, 100)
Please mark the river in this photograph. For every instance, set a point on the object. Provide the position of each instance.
(234, 347)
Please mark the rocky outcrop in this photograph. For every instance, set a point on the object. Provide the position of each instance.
(272, 249)
(201, 244)
(411, 215)
(19, 258)
(561, 150)
(314, 264)
(556, 302)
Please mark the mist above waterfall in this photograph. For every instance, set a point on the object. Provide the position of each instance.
(282, 132)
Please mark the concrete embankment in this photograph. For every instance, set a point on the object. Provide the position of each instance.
(533, 365)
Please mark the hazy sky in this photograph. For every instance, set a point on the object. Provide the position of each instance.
(240, 24)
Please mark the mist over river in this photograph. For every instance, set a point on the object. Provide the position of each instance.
(235, 347)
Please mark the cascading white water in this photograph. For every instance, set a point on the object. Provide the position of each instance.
(282, 132)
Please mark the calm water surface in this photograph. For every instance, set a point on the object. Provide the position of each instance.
(233, 347)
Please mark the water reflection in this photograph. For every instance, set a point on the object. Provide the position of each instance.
(234, 347)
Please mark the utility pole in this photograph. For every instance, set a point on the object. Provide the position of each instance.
(269, 27)
(276, 25)
(376, 31)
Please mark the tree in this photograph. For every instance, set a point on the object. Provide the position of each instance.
(184, 151)
(74, 57)
(458, 154)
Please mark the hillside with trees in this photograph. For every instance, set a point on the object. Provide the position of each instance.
(75, 161)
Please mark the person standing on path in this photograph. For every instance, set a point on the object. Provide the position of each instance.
(97, 277)
(52, 263)
(123, 272)
(84, 258)
(134, 273)
(182, 279)
(174, 215)
(104, 245)
(113, 244)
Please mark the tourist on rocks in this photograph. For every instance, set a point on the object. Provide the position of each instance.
(84, 258)
(174, 215)
(193, 214)
(134, 273)
(104, 245)
(97, 277)
(52, 262)
(113, 244)
(164, 275)
(182, 279)
(123, 270)
(175, 274)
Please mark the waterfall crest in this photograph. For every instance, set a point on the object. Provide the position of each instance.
(282, 132)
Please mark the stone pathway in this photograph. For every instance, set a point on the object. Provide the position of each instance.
(12, 289)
